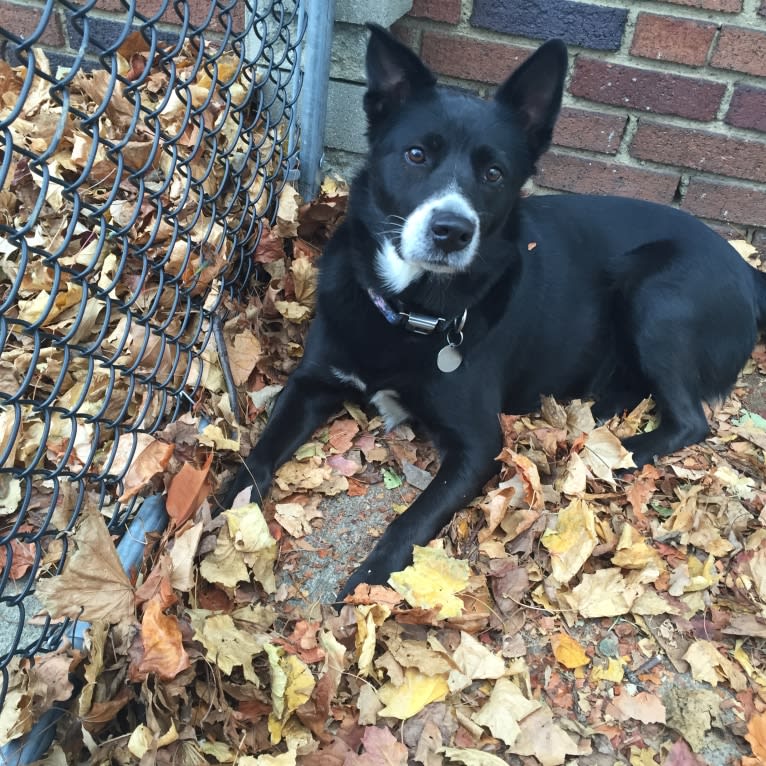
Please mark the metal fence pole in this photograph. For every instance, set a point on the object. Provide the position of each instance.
(312, 111)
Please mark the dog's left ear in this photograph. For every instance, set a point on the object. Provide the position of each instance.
(394, 74)
(534, 92)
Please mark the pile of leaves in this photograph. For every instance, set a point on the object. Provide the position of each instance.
(120, 207)
(569, 615)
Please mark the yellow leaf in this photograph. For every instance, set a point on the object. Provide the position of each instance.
(614, 671)
(225, 644)
(368, 618)
(433, 580)
(410, 697)
(702, 574)
(244, 542)
(568, 652)
(642, 756)
(633, 552)
(572, 541)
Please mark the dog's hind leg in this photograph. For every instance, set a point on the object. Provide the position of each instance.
(671, 371)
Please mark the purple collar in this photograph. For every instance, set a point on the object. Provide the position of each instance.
(422, 324)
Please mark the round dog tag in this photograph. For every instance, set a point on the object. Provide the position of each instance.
(449, 359)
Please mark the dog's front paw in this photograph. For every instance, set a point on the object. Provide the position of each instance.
(386, 557)
(257, 480)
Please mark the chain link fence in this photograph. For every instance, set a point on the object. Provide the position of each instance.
(140, 162)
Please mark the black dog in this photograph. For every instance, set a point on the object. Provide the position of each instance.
(446, 296)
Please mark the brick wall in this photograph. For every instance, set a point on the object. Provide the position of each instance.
(665, 100)
(62, 33)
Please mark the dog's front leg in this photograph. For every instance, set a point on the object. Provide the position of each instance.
(304, 404)
(465, 469)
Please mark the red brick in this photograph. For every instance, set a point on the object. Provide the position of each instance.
(743, 50)
(198, 11)
(733, 203)
(581, 129)
(667, 39)
(646, 89)
(438, 10)
(748, 108)
(700, 150)
(116, 5)
(470, 59)
(577, 174)
(726, 6)
(404, 32)
(21, 20)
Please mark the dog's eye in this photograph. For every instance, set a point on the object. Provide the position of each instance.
(415, 155)
(493, 174)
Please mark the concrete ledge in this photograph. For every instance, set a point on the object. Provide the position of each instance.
(383, 12)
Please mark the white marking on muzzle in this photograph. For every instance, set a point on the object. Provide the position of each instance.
(417, 244)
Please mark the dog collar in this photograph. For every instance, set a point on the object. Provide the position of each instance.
(422, 324)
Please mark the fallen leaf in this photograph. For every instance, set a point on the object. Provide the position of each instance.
(433, 580)
(162, 643)
(568, 652)
(571, 541)
(415, 692)
(93, 585)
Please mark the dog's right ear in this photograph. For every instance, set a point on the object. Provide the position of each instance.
(394, 74)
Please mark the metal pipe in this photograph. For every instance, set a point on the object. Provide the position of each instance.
(312, 112)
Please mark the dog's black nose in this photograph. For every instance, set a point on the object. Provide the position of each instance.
(451, 232)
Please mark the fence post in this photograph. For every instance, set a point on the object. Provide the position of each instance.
(313, 99)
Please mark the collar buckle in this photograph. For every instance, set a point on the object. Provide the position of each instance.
(422, 324)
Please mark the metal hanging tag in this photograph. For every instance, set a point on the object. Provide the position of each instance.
(450, 358)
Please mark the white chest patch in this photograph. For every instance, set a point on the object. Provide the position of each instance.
(390, 408)
(395, 273)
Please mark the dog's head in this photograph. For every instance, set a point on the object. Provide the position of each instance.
(446, 167)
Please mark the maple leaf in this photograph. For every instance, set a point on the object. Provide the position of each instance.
(505, 707)
(644, 707)
(433, 580)
(93, 585)
(541, 737)
(225, 644)
(291, 686)
(571, 540)
(415, 692)
(605, 593)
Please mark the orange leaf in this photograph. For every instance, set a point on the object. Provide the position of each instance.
(342, 433)
(568, 652)
(163, 649)
(152, 460)
(188, 488)
(756, 736)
